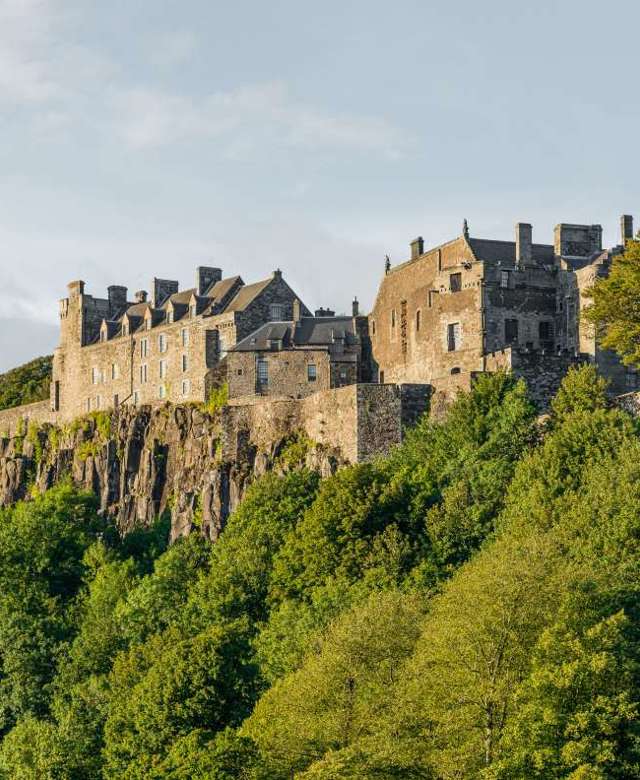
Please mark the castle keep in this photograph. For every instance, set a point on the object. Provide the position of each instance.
(440, 318)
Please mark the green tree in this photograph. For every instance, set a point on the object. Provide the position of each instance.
(42, 569)
(344, 686)
(615, 308)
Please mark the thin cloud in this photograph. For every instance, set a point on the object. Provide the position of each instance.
(247, 119)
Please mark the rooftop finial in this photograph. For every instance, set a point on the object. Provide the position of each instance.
(465, 228)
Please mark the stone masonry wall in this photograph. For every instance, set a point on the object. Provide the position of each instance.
(143, 461)
(14, 421)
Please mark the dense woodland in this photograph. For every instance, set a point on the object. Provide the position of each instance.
(26, 384)
(467, 607)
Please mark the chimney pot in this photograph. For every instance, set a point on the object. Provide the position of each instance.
(141, 296)
(355, 308)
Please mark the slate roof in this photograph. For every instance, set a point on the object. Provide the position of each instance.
(219, 289)
(247, 294)
(308, 333)
(505, 251)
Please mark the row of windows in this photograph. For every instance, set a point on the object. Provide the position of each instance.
(163, 344)
(262, 372)
(98, 377)
(162, 369)
(96, 402)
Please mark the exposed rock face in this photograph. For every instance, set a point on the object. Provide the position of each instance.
(142, 462)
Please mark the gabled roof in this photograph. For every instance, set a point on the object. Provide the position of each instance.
(307, 333)
(219, 290)
(247, 295)
(488, 250)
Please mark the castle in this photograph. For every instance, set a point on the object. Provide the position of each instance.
(445, 315)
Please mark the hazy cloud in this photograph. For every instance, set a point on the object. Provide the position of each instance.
(246, 119)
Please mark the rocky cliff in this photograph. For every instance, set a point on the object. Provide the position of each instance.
(142, 462)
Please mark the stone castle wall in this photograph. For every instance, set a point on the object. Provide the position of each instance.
(16, 421)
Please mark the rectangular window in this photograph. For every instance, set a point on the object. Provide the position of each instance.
(116, 401)
(504, 279)
(192, 310)
(162, 342)
(382, 377)
(373, 327)
(185, 387)
(418, 317)
(184, 335)
(276, 311)
(262, 371)
(88, 404)
(144, 348)
(393, 318)
(147, 323)
(185, 363)
(510, 331)
(98, 401)
(162, 391)
(170, 316)
(136, 397)
(312, 372)
(163, 369)
(453, 336)
(545, 331)
(115, 371)
(143, 373)
(125, 330)
(95, 376)
(455, 282)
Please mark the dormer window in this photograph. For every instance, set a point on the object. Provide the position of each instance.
(147, 323)
(170, 315)
(125, 329)
(193, 310)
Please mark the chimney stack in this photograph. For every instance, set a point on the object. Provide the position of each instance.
(524, 244)
(297, 311)
(626, 228)
(355, 308)
(206, 277)
(417, 247)
(141, 296)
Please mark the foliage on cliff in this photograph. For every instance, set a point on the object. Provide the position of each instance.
(467, 608)
(26, 384)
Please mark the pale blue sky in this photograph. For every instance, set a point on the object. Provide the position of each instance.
(146, 137)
